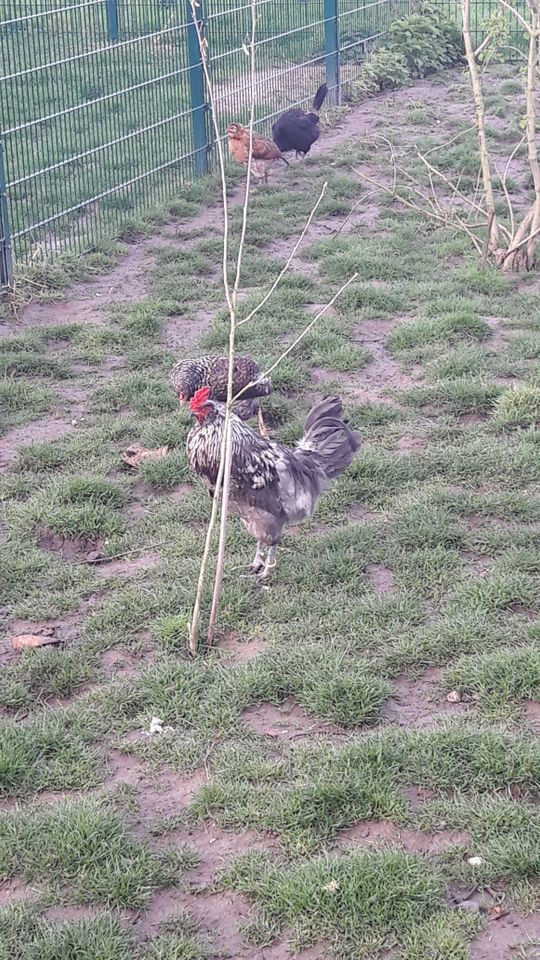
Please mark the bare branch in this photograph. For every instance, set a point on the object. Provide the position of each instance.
(431, 214)
(355, 205)
(226, 449)
(299, 338)
(480, 125)
(230, 297)
(306, 330)
(480, 49)
(289, 261)
(515, 13)
(448, 143)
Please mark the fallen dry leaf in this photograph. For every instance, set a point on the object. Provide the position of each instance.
(26, 641)
(453, 697)
(135, 454)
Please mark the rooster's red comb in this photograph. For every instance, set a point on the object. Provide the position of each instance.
(199, 398)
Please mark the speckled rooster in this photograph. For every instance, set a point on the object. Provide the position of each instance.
(271, 485)
(188, 376)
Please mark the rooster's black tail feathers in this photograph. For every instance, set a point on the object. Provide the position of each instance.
(319, 97)
(326, 434)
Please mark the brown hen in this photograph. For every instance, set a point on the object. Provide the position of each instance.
(264, 152)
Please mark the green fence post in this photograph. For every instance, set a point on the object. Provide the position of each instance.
(112, 20)
(6, 256)
(331, 50)
(196, 86)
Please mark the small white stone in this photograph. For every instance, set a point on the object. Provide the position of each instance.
(475, 861)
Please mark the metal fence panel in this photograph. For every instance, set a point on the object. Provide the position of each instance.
(103, 111)
(481, 13)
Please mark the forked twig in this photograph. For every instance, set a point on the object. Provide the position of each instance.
(290, 259)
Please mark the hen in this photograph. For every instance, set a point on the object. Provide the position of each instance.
(264, 152)
(271, 485)
(296, 130)
(188, 376)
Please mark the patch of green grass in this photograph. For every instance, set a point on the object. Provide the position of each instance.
(182, 694)
(509, 87)
(312, 792)
(45, 754)
(442, 329)
(173, 947)
(300, 802)
(459, 362)
(143, 393)
(21, 401)
(460, 396)
(86, 846)
(24, 935)
(356, 902)
(505, 833)
(167, 473)
(342, 356)
(139, 320)
(519, 406)
(98, 492)
(88, 521)
(41, 675)
(499, 680)
(488, 280)
(28, 363)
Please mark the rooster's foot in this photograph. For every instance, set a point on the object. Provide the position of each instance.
(268, 566)
(258, 560)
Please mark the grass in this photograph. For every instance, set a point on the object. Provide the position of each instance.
(323, 706)
(500, 680)
(356, 900)
(25, 936)
(84, 845)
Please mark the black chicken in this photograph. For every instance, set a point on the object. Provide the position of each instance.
(296, 130)
(188, 376)
(271, 485)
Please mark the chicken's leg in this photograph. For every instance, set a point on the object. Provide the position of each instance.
(258, 560)
(269, 564)
(262, 426)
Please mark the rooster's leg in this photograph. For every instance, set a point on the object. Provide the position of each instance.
(269, 563)
(262, 426)
(258, 560)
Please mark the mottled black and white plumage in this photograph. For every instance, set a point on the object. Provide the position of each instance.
(297, 130)
(190, 375)
(271, 485)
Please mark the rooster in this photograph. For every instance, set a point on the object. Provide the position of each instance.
(271, 485)
(188, 376)
(263, 150)
(296, 130)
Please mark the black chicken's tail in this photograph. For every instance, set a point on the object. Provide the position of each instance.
(326, 434)
(319, 97)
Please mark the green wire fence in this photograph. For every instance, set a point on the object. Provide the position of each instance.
(103, 107)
